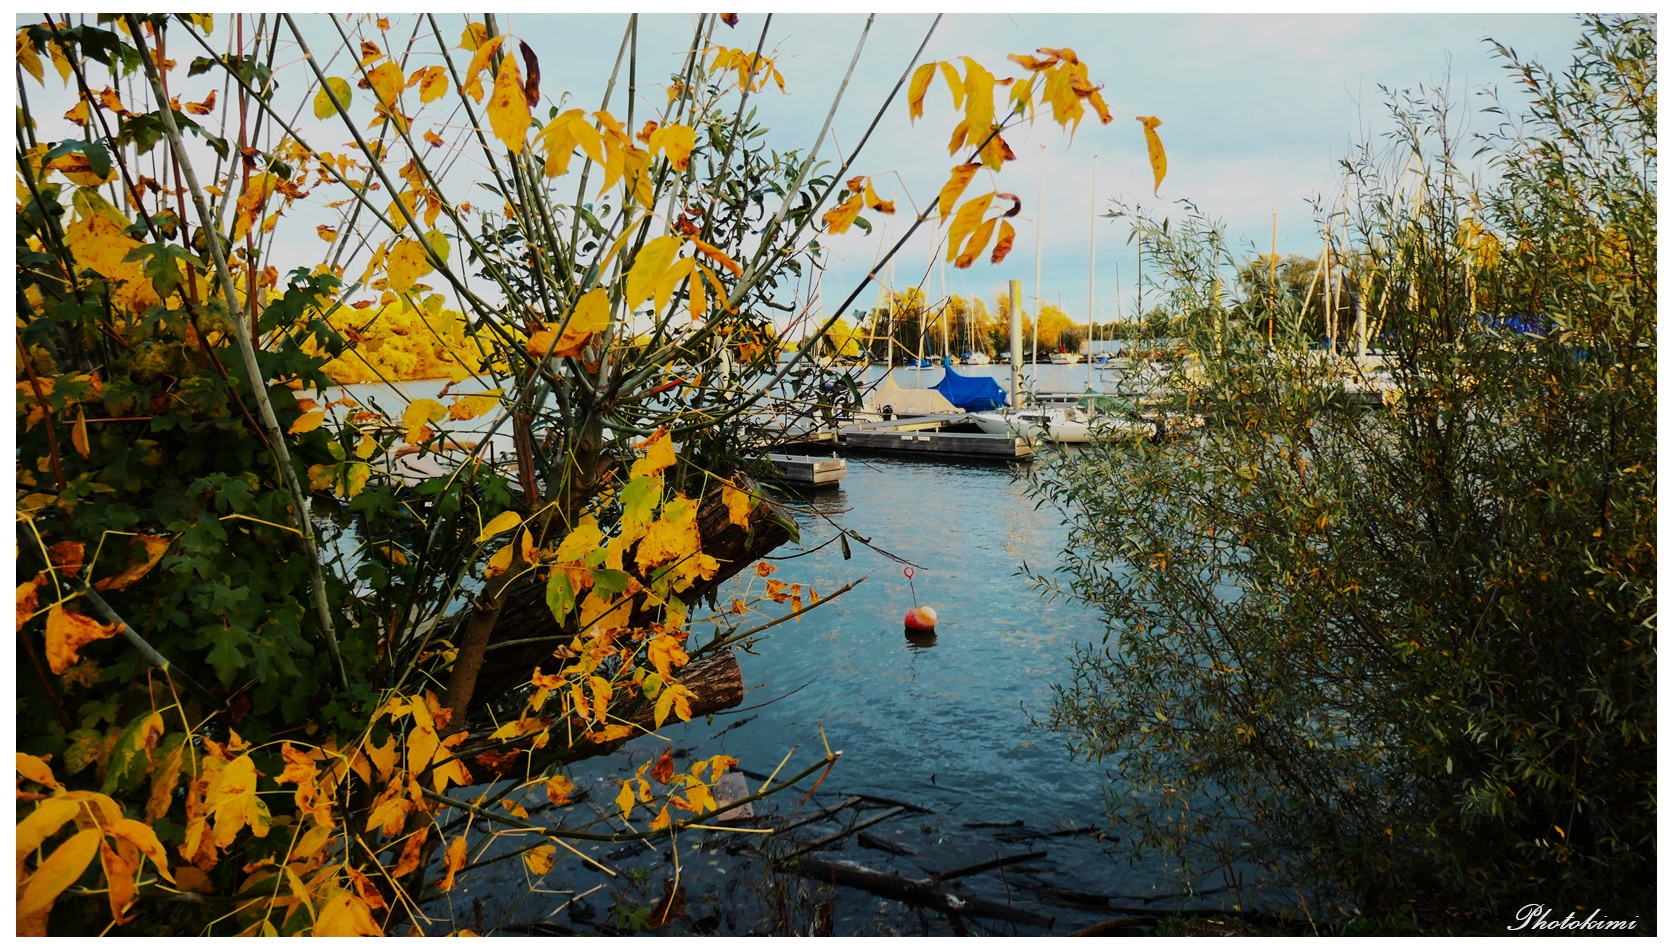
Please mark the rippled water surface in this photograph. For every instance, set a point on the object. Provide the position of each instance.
(944, 724)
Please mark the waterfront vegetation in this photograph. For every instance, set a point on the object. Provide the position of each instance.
(1399, 663)
(266, 634)
(1384, 667)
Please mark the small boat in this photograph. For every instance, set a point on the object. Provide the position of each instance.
(977, 358)
(1063, 357)
(1066, 424)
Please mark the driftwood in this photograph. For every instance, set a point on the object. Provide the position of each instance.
(526, 618)
(923, 892)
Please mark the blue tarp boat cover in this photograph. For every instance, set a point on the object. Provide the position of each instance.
(973, 394)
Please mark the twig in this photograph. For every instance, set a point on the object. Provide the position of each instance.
(140, 644)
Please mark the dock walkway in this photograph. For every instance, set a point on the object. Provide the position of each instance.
(940, 434)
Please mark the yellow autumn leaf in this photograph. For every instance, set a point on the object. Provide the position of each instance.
(35, 769)
(67, 633)
(966, 221)
(307, 422)
(672, 536)
(28, 58)
(674, 699)
(591, 315)
(611, 733)
(49, 816)
(346, 915)
(560, 790)
(473, 36)
(1002, 247)
(251, 201)
(738, 505)
(78, 434)
(470, 407)
(662, 820)
(916, 91)
(508, 110)
(652, 261)
(984, 233)
(432, 84)
(841, 218)
(500, 563)
(387, 81)
(417, 414)
(625, 799)
(234, 803)
(1153, 142)
(503, 522)
(676, 141)
(978, 95)
(955, 85)
(28, 600)
(56, 873)
(659, 455)
(485, 50)
(665, 652)
(453, 861)
(409, 260)
(324, 108)
(541, 859)
(600, 691)
(143, 838)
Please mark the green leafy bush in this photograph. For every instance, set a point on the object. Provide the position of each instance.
(1403, 655)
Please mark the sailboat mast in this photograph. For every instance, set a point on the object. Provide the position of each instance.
(1092, 270)
(945, 301)
(1039, 230)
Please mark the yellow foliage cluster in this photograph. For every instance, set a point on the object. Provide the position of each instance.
(398, 341)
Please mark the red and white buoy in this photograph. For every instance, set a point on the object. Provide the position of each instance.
(920, 619)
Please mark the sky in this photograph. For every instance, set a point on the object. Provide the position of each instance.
(1257, 111)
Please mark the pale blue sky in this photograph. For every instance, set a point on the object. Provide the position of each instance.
(1257, 111)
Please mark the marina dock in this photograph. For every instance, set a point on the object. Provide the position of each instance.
(807, 472)
(941, 434)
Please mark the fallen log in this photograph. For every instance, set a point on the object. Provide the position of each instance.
(989, 865)
(920, 892)
(525, 635)
(1114, 924)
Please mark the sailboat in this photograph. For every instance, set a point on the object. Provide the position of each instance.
(1091, 418)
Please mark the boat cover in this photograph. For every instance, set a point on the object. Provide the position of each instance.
(902, 401)
(973, 394)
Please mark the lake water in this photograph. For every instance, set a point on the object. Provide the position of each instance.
(945, 726)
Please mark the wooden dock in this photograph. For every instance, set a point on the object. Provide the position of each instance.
(807, 472)
(942, 435)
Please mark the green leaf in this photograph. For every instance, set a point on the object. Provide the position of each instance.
(560, 595)
(639, 500)
(225, 656)
(324, 108)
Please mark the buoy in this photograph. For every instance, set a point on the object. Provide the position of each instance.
(920, 619)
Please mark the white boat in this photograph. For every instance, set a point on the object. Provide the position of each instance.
(1065, 424)
(977, 359)
(1062, 357)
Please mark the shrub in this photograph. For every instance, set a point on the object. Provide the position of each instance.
(1404, 656)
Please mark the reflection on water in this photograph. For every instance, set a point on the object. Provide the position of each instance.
(919, 640)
